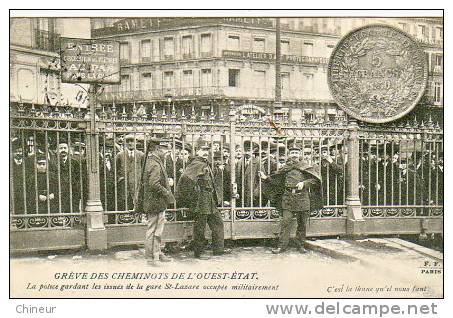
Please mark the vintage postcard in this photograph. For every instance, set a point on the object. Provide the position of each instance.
(226, 155)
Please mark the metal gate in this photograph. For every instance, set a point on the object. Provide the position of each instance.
(376, 179)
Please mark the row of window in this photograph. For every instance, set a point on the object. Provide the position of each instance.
(422, 30)
(168, 50)
(168, 80)
(259, 80)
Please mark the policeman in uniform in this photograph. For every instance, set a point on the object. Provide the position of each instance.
(294, 184)
(198, 191)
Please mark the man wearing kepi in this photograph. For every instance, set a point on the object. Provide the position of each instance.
(198, 191)
(296, 189)
(157, 197)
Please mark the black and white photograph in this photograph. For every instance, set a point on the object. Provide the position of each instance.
(225, 154)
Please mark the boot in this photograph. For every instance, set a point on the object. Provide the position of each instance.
(164, 258)
(279, 250)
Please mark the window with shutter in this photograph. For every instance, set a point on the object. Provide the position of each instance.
(206, 78)
(233, 78)
(145, 51)
(125, 85)
(233, 42)
(124, 52)
(147, 81)
(169, 81)
(307, 49)
(169, 48)
(187, 47)
(437, 92)
(258, 45)
(187, 82)
(284, 48)
(206, 45)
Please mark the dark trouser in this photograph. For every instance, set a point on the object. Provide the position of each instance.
(215, 223)
(286, 223)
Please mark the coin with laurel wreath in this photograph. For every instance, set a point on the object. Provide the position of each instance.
(377, 73)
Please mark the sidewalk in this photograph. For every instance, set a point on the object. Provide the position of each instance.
(329, 266)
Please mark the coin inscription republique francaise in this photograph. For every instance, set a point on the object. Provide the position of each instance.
(377, 73)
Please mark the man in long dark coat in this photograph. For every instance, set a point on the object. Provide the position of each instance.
(129, 164)
(69, 180)
(41, 190)
(332, 178)
(297, 187)
(157, 196)
(222, 176)
(18, 177)
(198, 191)
(107, 177)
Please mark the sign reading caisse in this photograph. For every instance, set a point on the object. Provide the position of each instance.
(377, 73)
(89, 61)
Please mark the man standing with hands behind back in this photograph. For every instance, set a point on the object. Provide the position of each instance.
(294, 186)
(157, 196)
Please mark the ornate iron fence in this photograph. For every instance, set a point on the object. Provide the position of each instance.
(376, 179)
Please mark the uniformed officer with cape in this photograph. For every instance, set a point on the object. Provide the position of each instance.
(296, 190)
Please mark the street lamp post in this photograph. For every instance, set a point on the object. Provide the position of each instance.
(96, 233)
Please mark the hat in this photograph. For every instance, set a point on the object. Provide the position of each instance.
(129, 137)
(62, 139)
(154, 141)
(265, 144)
(281, 148)
(41, 157)
(187, 147)
(108, 143)
(78, 144)
(294, 146)
(204, 146)
(307, 150)
(16, 144)
(249, 145)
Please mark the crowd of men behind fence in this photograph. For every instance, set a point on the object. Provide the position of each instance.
(50, 176)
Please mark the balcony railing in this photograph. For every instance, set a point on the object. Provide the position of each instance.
(430, 42)
(160, 93)
(47, 41)
(258, 93)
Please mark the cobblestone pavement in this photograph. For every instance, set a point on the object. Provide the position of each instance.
(314, 274)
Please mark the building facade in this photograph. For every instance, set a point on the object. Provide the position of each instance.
(35, 62)
(202, 65)
(34, 68)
